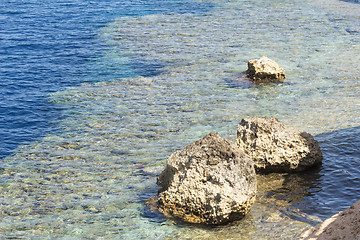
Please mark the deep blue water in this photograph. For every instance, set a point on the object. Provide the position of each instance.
(46, 46)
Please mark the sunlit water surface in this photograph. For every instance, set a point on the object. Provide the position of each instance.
(92, 179)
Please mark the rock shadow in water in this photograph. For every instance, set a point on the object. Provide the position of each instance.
(351, 1)
(242, 81)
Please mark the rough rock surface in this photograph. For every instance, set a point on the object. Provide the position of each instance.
(344, 225)
(275, 147)
(265, 69)
(210, 181)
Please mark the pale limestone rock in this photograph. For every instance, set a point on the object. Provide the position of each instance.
(275, 147)
(265, 69)
(210, 181)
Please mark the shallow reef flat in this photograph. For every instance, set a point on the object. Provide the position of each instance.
(92, 178)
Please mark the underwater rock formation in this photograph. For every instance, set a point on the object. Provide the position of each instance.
(275, 147)
(265, 69)
(210, 181)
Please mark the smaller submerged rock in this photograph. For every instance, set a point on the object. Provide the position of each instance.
(275, 147)
(210, 181)
(265, 69)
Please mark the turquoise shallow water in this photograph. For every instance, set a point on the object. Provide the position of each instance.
(92, 178)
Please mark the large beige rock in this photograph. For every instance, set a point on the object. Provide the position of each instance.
(210, 181)
(275, 147)
(265, 69)
(344, 225)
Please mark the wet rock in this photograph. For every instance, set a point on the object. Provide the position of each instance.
(275, 147)
(265, 69)
(210, 181)
(343, 225)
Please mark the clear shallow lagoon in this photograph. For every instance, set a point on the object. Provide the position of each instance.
(163, 75)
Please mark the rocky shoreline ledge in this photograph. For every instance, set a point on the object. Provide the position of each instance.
(343, 225)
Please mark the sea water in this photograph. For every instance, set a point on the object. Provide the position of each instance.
(98, 94)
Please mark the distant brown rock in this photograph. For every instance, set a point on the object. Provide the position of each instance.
(275, 147)
(210, 181)
(265, 69)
